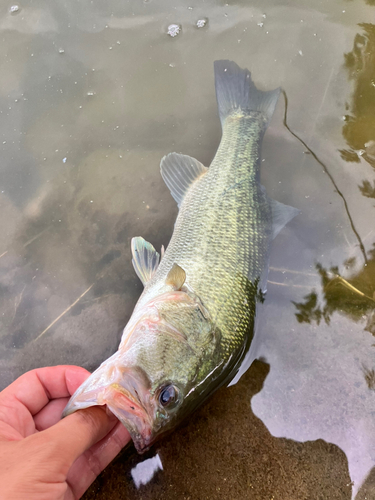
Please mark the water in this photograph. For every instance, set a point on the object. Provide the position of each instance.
(92, 96)
(174, 30)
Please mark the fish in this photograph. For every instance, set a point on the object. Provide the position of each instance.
(193, 325)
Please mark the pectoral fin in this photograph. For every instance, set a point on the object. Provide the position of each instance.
(145, 259)
(179, 173)
(176, 277)
(281, 215)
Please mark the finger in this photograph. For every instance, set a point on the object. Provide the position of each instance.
(89, 465)
(75, 434)
(103, 452)
(50, 414)
(35, 388)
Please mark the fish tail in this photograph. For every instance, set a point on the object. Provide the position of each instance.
(237, 94)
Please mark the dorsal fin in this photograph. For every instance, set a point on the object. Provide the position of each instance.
(145, 259)
(176, 277)
(179, 172)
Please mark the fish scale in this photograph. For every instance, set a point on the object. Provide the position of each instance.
(194, 322)
(222, 233)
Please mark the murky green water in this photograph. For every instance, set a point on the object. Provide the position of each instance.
(92, 95)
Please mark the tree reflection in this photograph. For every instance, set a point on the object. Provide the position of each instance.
(353, 297)
(367, 189)
(369, 377)
(359, 127)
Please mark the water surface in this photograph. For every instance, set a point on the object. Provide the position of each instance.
(92, 95)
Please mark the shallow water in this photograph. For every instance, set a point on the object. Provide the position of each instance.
(92, 95)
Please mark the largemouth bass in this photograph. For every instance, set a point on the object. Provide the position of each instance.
(193, 323)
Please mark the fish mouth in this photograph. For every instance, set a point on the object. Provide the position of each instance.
(129, 400)
(132, 414)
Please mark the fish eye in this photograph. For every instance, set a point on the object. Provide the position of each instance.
(168, 396)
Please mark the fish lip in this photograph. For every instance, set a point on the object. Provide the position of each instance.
(127, 408)
(126, 393)
(132, 414)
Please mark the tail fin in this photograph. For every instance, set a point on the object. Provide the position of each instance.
(235, 91)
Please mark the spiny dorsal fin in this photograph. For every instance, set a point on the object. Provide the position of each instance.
(145, 259)
(179, 172)
(176, 277)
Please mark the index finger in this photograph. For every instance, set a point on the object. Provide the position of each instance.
(37, 387)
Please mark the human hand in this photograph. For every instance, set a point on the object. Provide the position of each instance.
(43, 457)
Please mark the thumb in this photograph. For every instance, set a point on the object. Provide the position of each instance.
(77, 432)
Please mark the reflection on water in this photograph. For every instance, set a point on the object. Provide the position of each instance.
(342, 295)
(359, 127)
(369, 377)
(92, 96)
(144, 471)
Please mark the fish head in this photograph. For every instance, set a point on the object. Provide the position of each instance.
(160, 372)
